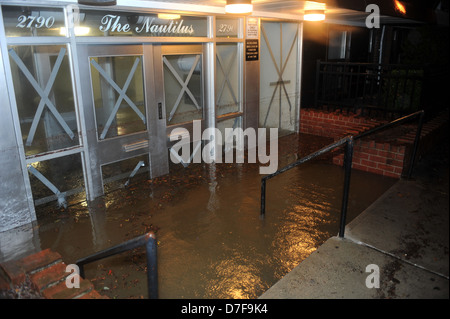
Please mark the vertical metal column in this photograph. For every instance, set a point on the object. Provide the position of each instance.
(152, 265)
(348, 157)
(16, 207)
(263, 198)
(149, 241)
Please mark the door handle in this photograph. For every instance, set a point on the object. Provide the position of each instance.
(160, 116)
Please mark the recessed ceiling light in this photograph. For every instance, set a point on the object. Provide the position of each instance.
(314, 15)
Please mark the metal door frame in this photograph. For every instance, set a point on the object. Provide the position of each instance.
(110, 150)
(163, 49)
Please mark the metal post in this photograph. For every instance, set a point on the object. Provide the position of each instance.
(149, 240)
(81, 268)
(348, 168)
(263, 198)
(416, 144)
(152, 266)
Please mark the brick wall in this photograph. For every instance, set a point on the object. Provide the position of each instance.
(333, 124)
(41, 276)
(378, 158)
(388, 158)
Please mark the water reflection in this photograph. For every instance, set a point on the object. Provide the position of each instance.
(214, 202)
(211, 242)
(234, 276)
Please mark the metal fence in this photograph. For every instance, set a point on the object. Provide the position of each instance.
(387, 89)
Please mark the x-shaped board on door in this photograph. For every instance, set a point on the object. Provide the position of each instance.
(184, 85)
(122, 94)
(44, 94)
(279, 69)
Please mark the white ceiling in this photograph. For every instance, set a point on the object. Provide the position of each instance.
(288, 9)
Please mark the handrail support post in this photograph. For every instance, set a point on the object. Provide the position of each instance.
(152, 266)
(263, 198)
(348, 159)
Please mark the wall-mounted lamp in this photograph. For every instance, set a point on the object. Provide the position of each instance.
(314, 15)
(239, 6)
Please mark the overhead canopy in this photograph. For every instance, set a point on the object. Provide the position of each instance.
(337, 11)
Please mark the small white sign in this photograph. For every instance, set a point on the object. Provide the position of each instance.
(252, 28)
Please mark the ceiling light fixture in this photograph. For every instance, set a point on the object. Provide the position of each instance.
(314, 15)
(239, 6)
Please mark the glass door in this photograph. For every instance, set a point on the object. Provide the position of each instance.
(181, 82)
(122, 114)
(48, 121)
(279, 89)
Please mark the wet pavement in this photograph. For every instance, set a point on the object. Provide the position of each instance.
(211, 241)
(398, 248)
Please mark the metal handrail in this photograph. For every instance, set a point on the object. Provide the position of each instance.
(348, 143)
(149, 241)
(398, 121)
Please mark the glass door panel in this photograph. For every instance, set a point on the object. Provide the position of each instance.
(228, 79)
(279, 76)
(118, 92)
(183, 83)
(44, 96)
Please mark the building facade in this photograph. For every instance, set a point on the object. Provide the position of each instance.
(91, 94)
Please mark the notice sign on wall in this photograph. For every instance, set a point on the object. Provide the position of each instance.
(252, 28)
(251, 50)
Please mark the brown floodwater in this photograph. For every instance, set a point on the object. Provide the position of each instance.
(211, 240)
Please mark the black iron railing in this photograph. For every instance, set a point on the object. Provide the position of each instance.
(348, 143)
(407, 118)
(149, 241)
(369, 87)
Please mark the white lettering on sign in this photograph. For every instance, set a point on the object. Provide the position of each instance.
(223, 28)
(35, 21)
(111, 22)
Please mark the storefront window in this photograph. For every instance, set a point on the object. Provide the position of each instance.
(33, 21)
(44, 95)
(228, 80)
(59, 179)
(109, 23)
(279, 76)
(227, 28)
(118, 92)
(183, 88)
